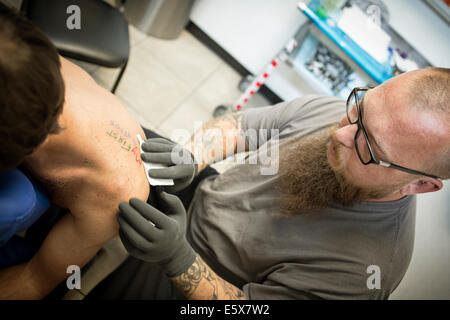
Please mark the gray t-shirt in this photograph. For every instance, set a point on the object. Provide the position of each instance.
(335, 253)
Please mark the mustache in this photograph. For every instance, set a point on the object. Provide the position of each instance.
(309, 181)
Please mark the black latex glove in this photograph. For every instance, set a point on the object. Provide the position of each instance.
(182, 165)
(150, 235)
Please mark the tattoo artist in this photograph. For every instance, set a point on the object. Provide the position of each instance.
(311, 229)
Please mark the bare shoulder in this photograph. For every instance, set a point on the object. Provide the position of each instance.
(95, 161)
(103, 129)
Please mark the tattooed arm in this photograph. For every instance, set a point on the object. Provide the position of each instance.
(153, 236)
(218, 139)
(199, 282)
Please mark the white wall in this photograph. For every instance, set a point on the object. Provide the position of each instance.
(422, 28)
(252, 31)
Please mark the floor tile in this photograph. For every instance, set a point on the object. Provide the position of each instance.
(147, 85)
(185, 56)
(221, 87)
(185, 119)
(141, 120)
(136, 36)
(170, 84)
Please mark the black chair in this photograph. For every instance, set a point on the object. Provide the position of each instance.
(103, 38)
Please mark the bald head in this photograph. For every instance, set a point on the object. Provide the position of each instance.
(430, 89)
(427, 91)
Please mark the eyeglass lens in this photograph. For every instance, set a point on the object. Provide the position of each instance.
(360, 140)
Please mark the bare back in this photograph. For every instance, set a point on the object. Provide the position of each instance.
(94, 164)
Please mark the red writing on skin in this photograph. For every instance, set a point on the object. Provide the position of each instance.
(136, 155)
(134, 150)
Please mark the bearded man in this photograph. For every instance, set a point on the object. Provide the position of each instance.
(340, 209)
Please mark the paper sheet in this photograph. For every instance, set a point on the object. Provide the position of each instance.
(370, 37)
(148, 165)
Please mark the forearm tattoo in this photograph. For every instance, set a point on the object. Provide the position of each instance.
(199, 277)
(221, 133)
(228, 120)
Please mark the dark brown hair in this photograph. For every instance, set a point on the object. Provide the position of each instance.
(31, 88)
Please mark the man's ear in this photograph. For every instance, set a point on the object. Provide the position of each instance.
(423, 185)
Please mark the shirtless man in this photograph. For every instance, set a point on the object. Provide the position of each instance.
(89, 167)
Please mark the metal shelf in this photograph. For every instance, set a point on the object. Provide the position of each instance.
(379, 72)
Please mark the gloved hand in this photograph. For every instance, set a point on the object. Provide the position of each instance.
(150, 235)
(182, 165)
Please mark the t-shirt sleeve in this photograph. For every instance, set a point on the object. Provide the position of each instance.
(274, 291)
(288, 118)
(312, 282)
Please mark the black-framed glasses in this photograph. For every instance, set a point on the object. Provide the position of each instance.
(362, 145)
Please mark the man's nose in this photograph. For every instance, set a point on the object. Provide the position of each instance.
(346, 135)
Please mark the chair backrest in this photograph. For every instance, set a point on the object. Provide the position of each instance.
(22, 202)
(103, 37)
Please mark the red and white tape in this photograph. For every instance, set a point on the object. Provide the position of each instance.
(259, 81)
(256, 84)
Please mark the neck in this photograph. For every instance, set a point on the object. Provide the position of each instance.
(394, 197)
